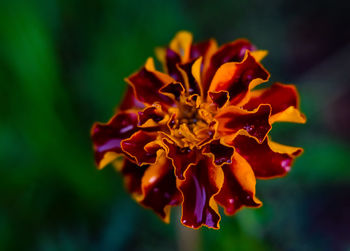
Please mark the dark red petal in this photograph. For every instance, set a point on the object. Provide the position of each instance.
(230, 52)
(202, 182)
(133, 174)
(284, 101)
(256, 123)
(193, 85)
(222, 154)
(239, 78)
(201, 49)
(147, 83)
(172, 59)
(279, 96)
(239, 186)
(142, 146)
(107, 137)
(265, 162)
(175, 90)
(149, 113)
(159, 188)
(129, 101)
(219, 98)
(181, 157)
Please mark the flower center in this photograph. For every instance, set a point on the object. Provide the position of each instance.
(193, 125)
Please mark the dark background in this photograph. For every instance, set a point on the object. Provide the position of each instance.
(62, 65)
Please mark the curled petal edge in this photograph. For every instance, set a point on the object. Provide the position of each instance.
(242, 178)
(291, 114)
(280, 157)
(181, 44)
(151, 145)
(215, 182)
(223, 148)
(172, 152)
(223, 79)
(162, 80)
(152, 177)
(246, 129)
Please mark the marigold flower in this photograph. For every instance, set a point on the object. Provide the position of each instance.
(196, 135)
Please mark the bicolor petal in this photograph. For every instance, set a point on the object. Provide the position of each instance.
(239, 78)
(267, 160)
(202, 182)
(283, 100)
(238, 189)
(147, 82)
(159, 191)
(221, 153)
(230, 52)
(107, 137)
(232, 119)
(181, 158)
(142, 146)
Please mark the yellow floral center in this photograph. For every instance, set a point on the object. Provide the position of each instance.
(193, 123)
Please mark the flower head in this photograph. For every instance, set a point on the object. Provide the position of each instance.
(196, 135)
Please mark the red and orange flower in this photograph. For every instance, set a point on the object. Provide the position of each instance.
(197, 135)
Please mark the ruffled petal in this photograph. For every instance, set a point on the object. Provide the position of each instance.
(171, 57)
(159, 191)
(202, 182)
(191, 75)
(230, 52)
(172, 60)
(173, 90)
(177, 52)
(107, 137)
(239, 78)
(291, 114)
(203, 49)
(152, 117)
(129, 101)
(268, 159)
(142, 146)
(133, 174)
(219, 98)
(181, 158)
(259, 54)
(147, 82)
(279, 96)
(284, 101)
(239, 186)
(181, 44)
(232, 119)
(221, 153)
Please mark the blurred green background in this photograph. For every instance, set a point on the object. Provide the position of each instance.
(62, 64)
